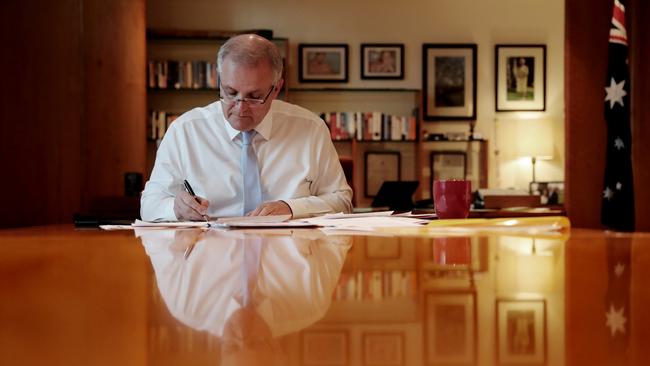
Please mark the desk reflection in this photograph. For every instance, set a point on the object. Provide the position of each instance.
(243, 288)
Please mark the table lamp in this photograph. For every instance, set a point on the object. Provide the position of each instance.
(536, 141)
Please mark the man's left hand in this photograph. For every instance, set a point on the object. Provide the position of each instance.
(271, 208)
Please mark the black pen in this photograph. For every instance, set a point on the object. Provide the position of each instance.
(189, 190)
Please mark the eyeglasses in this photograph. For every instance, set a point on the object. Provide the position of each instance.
(252, 102)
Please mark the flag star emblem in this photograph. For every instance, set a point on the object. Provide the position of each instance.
(615, 320)
(615, 93)
(619, 186)
(608, 193)
(618, 143)
(619, 269)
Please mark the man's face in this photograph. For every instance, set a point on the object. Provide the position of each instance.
(242, 81)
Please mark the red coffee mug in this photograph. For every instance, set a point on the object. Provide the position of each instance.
(452, 198)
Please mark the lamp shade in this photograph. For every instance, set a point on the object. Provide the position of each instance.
(535, 139)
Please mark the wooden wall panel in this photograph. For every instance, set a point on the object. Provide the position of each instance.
(640, 59)
(40, 111)
(585, 67)
(115, 100)
(72, 106)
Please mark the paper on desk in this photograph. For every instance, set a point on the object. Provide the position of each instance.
(364, 223)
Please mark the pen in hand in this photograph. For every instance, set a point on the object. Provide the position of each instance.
(189, 190)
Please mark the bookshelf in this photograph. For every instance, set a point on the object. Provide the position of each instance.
(181, 75)
(404, 103)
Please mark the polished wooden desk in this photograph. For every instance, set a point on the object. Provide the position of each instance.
(73, 297)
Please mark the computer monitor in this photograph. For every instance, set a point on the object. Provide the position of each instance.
(396, 195)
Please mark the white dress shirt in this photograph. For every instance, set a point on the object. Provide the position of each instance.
(298, 273)
(297, 160)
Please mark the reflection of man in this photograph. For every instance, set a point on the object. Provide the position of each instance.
(521, 77)
(243, 288)
(247, 153)
(319, 65)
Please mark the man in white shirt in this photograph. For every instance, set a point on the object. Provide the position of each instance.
(297, 173)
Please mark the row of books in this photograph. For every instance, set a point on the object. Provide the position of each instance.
(159, 122)
(376, 285)
(370, 126)
(171, 74)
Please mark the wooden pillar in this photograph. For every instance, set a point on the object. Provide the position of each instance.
(72, 106)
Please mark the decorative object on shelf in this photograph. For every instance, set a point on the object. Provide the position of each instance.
(449, 81)
(520, 77)
(521, 332)
(383, 348)
(381, 166)
(551, 193)
(450, 312)
(448, 165)
(382, 61)
(325, 347)
(322, 63)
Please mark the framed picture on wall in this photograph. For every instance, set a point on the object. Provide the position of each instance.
(448, 165)
(450, 327)
(382, 61)
(323, 63)
(381, 166)
(449, 81)
(520, 77)
(521, 332)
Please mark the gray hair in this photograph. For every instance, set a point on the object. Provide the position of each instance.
(251, 50)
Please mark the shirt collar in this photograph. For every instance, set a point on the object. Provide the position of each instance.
(263, 128)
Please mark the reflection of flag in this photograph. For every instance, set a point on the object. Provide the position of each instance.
(618, 193)
(617, 300)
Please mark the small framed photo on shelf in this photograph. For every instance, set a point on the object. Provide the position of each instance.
(521, 332)
(448, 165)
(324, 347)
(383, 349)
(323, 63)
(381, 166)
(520, 77)
(552, 193)
(382, 61)
(449, 81)
(450, 328)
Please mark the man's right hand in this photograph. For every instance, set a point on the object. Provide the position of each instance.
(187, 207)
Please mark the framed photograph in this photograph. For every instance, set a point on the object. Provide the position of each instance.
(552, 193)
(323, 63)
(324, 348)
(521, 332)
(450, 327)
(520, 77)
(383, 349)
(448, 165)
(382, 61)
(381, 166)
(449, 81)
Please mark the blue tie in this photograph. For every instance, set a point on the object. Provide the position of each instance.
(250, 173)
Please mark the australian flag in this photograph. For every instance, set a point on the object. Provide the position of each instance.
(617, 210)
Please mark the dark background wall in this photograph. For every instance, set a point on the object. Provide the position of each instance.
(72, 105)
